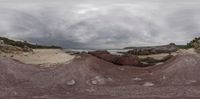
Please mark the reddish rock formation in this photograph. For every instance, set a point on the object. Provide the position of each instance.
(127, 59)
(89, 77)
(105, 55)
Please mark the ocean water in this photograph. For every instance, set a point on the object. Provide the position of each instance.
(112, 51)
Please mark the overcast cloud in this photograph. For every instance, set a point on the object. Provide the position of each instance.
(100, 23)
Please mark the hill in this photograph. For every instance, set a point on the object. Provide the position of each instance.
(26, 44)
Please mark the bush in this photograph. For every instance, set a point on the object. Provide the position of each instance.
(195, 44)
(26, 44)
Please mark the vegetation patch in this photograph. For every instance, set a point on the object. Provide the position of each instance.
(195, 44)
(26, 44)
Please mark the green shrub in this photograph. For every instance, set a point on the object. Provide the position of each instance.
(26, 44)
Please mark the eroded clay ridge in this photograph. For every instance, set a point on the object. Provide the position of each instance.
(88, 77)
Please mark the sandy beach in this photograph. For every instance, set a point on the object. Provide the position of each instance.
(160, 56)
(42, 56)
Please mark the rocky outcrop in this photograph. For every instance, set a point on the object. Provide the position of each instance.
(153, 61)
(126, 59)
(153, 50)
(89, 77)
(105, 55)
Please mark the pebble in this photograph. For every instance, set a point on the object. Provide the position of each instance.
(164, 77)
(90, 90)
(71, 82)
(148, 84)
(191, 82)
(98, 81)
(137, 79)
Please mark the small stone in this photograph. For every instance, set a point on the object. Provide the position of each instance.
(94, 82)
(122, 69)
(98, 81)
(136, 79)
(164, 77)
(90, 90)
(109, 79)
(160, 63)
(148, 84)
(71, 82)
(191, 81)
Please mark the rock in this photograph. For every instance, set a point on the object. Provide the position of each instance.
(98, 81)
(153, 50)
(191, 82)
(90, 90)
(109, 79)
(148, 84)
(151, 60)
(71, 82)
(12, 56)
(163, 77)
(105, 55)
(159, 63)
(166, 58)
(137, 79)
(128, 59)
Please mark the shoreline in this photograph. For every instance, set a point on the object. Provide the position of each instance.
(41, 56)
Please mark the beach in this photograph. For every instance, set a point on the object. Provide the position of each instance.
(41, 56)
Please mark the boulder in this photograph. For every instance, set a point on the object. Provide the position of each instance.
(153, 50)
(126, 59)
(105, 55)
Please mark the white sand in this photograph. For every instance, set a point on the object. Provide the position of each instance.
(162, 55)
(190, 51)
(43, 56)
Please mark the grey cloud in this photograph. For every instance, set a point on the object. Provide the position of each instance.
(115, 26)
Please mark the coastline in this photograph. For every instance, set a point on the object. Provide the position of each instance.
(41, 56)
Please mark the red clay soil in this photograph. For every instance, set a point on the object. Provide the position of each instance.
(88, 77)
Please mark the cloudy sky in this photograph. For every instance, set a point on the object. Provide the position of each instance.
(100, 23)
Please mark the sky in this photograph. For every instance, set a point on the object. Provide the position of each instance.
(100, 24)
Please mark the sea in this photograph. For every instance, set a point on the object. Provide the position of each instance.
(112, 51)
